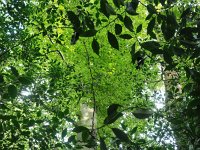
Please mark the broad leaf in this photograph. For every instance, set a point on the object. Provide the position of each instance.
(64, 133)
(1, 78)
(126, 36)
(151, 26)
(71, 139)
(110, 10)
(121, 135)
(88, 33)
(113, 40)
(79, 129)
(14, 71)
(25, 80)
(142, 113)
(139, 28)
(128, 23)
(118, 29)
(12, 91)
(89, 22)
(73, 19)
(168, 59)
(133, 130)
(118, 3)
(152, 46)
(112, 118)
(112, 109)
(131, 7)
(151, 9)
(102, 144)
(95, 46)
(74, 38)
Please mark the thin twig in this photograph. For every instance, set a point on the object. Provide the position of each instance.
(92, 87)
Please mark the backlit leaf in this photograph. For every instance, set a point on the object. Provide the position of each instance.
(12, 91)
(102, 144)
(14, 71)
(139, 28)
(151, 26)
(113, 40)
(118, 29)
(128, 23)
(64, 133)
(126, 36)
(95, 46)
(121, 135)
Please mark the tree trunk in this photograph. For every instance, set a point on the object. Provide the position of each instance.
(88, 120)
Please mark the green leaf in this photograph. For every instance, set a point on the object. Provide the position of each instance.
(133, 130)
(113, 40)
(25, 80)
(1, 78)
(128, 23)
(73, 18)
(185, 13)
(89, 22)
(79, 129)
(151, 9)
(168, 59)
(103, 8)
(95, 46)
(64, 133)
(12, 91)
(118, 3)
(162, 2)
(71, 139)
(152, 46)
(121, 135)
(112, 109)
(131, 7)
(118, 29)
(88, 33)
(14, 71)
(142, 113)
(110, 10)
(126, 36)
(74, 38)
(112, 118)
(26, 133)
(151, 26)
(139, 28)
(102, 144)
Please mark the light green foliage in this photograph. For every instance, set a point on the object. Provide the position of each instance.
(56, 55)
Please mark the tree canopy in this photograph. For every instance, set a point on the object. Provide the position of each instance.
(121, 59)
